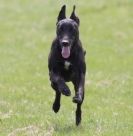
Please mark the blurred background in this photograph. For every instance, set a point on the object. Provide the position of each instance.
(27, 28)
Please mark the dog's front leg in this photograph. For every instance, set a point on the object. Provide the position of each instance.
(79, 89)
(59, 82)
(59, 86)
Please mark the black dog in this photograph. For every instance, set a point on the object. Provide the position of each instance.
(67, 62)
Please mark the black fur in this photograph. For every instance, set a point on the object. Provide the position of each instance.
(67, 36)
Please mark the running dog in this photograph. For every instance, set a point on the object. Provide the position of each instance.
(66, 61)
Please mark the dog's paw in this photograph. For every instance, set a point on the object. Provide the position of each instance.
(77, 99)
(56, 107)
(78, 121)
(65, 90)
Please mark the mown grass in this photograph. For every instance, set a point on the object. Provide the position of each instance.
(26, 32)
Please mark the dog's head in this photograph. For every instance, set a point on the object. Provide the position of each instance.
(67, 31)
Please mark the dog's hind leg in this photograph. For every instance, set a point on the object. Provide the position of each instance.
(78, 114)
(79, 97)
(79, 102)
(56, 104)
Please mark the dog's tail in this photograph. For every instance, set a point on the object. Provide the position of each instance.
(84, 52)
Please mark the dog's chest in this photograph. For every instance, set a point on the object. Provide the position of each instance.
(67, 65)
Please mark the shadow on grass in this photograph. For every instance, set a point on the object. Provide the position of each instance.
(67, 129)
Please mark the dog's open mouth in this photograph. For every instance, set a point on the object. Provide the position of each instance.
(65, 52)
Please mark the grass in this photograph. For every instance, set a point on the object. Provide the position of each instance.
(26, 32)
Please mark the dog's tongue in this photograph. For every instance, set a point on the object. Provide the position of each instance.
(65, 52)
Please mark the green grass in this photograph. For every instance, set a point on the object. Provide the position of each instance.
(26, 31)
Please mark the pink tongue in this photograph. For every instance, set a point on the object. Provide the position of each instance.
(65, 52)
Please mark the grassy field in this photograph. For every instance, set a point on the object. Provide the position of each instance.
(27, 28)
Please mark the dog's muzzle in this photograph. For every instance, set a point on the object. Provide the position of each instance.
(65, 49)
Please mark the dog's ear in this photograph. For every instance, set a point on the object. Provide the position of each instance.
(74, 17)
(62, 13)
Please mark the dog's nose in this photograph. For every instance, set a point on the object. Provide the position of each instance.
(65, 42)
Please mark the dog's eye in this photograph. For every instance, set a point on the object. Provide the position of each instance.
(61, 28)
(70, 28)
